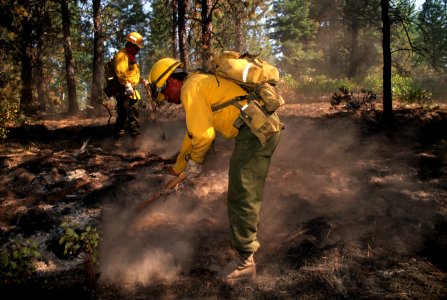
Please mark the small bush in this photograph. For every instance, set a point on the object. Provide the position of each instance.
(85, 242)
(351, 101)
(9, 114)
(322, 85)
(75, 243)
(17, 259)
(406, 91)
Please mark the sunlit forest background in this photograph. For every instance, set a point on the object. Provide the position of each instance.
(53, 52)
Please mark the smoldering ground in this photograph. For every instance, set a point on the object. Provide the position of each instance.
(158, 243)
(362, 192)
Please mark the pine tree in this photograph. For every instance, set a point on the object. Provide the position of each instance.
(293, 33)
(433, 20)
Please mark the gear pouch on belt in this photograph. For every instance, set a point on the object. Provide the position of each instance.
(113, 87)
(262, 125)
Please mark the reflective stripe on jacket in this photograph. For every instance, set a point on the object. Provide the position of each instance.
(127, 72)
(200, 92)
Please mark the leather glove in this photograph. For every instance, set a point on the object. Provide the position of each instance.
(193, 169)
(144, 81)
(170, 170)
(128, 89)
(170, 175)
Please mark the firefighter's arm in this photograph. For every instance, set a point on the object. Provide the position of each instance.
(121, 68)
(185, 150)
(200, 130)
(199, 123)
(126, 73)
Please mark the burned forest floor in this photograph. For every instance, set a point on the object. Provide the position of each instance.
(352, 209)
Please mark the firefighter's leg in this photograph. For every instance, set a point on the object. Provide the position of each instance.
(133, 120)
(122, 108)
(249, 166)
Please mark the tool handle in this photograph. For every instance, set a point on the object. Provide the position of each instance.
(145, 203)
(154, 109)
(150, 98)
(170, 185)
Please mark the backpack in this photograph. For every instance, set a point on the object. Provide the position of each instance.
(109, 70)
(112, 86)
(257, 77)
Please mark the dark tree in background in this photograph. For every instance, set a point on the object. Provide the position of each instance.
(207, 29)
(73, 106)
(98, 61)
(26, 96)
(433, 25)
(240, 17)
(182, 40)
(386, 48)
(174, 26)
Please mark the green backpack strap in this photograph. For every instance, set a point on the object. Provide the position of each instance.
(234, 101)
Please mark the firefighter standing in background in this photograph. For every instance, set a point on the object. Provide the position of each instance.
(128, 74)
(249, 162)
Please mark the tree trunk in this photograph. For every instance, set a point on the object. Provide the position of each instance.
(73, 106)
(353, 54)
(183, 43)
(41, 92)
(39, 63)
(207, 29)
(174, 28)
(386, 48)
(240, 19)
(98, 61)
(26, 96)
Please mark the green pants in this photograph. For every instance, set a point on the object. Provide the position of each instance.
(249, 166)
(127, 119)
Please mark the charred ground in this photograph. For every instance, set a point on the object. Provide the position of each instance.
(352, 209)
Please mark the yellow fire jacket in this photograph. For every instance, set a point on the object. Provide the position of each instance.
(127, 72)
(199, 93)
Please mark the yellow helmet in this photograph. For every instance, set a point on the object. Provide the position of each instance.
(160, 72)
(135, 38)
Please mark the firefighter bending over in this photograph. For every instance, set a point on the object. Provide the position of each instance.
(249, 162)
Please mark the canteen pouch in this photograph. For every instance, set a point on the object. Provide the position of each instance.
(262, 125)
(270, 97)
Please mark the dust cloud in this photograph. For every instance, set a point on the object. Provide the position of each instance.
(157, 244)
(322, 168)
(363, 185)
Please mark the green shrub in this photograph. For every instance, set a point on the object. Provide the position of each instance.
(75, 243)
(17, 259)
(373, 82)
(9, 114)
(82, 242)
(353, 101)
(408, 92)
(321, 85)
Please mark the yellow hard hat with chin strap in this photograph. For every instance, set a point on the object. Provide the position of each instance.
(160, 72)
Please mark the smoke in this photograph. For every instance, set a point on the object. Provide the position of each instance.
(365, 186)
(323, 168)
(158, 243)
(167, 148)
(153, 245)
